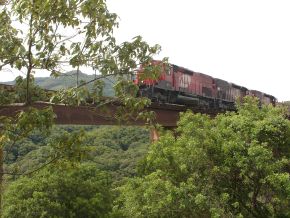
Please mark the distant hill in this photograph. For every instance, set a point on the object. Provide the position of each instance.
(69, 79)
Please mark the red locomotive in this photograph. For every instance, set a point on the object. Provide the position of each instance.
(179, 85)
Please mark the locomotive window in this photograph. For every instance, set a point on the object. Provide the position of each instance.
(168, 70)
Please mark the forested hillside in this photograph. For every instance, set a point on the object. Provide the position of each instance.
(69, 79)
(113, 149)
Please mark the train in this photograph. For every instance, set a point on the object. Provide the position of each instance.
(178, 85)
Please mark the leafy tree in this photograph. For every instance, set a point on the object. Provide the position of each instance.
(117, 150)
(114, 149)
(18, 92)
(42, 35)
(118, 137)
(15, 129)
(235, 165)
(78, 191)
(29, 155)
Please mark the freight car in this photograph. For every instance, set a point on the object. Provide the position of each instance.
(179, 85)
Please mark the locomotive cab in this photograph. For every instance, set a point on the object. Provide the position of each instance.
(155, 81)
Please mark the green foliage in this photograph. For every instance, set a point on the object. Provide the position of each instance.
(69, 80)
(118, 138)
(72, 185)
(25, 156)
(236, 165)
(79, 191)
(36, 92)
(69, 146)
(17, 128)
(25, 124)
(18, 93)
(46, 44)
(71, 96)
(77, 32)
(132, 108)
(5, 97)
(116, 150)
(153, 69)
(97, 91)
(24, 164)
(80, 33)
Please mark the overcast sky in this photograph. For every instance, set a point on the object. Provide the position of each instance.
(245, 42)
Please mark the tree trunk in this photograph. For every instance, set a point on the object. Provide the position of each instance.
(1, 177)
(29, 57)
(28, 101)
(154, 135)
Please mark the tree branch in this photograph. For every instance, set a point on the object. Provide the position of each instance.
(33, 171)
(103, 76)
(29, 56)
